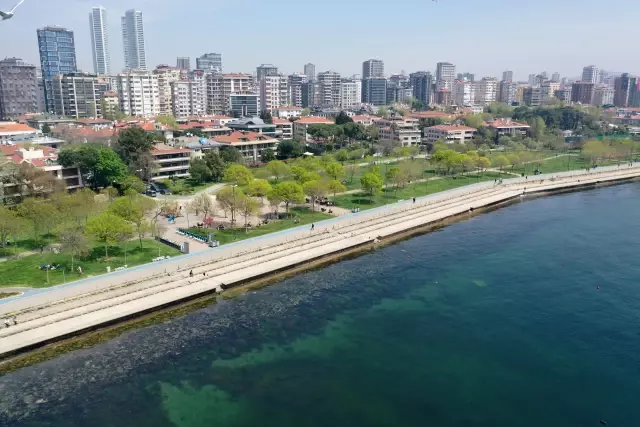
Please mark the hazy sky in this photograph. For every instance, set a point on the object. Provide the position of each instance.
(480, 36)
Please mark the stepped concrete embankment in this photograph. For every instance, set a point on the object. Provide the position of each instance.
(50, 314)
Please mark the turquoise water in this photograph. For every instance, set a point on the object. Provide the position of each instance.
(494, 321)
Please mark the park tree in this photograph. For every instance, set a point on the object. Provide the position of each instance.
(259, 188)
(228, 199)
(74, 242)
(133, 145)
(514, 160)
(593, 151)
(46, 129)
(107, 228)
(372, 133)
(248, 206)
(231, 155)
(135, 209)
(199, 171)
(238, 175)
(334, 170)
(290, 148)
(342, 155)
(289, 192)
(474, 120)
(315, 190)
(483, 163)
(371, 183)
(266, 116)
(40, 215)
(216, 164)
(335, 187)
(134, 183)
(302, 175)
(108, 169)
(342, 118)
(267, 155)
(501, 162)
(275, 199)
(203, 203)
(467, 162)
(538, 128)
(10, 225)
(278, 169)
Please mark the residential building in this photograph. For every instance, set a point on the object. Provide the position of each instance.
(533, 96)
(311, 94)
(486, 91)
(602, 95)
(266, 70)
(219, 88)
(250, 144)
(166, 76)
(138, 93)
(18, 88)
(310, 71)
(624, 88)
(252, 124)
(463, 93)
(445, 75)
(184, 63)
(399, 80)
(508, 127)
(443, 97)
(582, 92)
(296, 80)
(284, 128)
(404, 132)
(564, 94)
(110, 103)
(274, 92)
(198, 92)
(10, 131)
(77, 95)
(449, 133)
(135, 56)
(329, 88)
(591, 74)
(183, 104)
(372, 68)
(210, 62)
(507, 92)
(244, 104)
(301, 126)
(507, 76)
(170, 162)
(421, 83)
(100, 40)
(549, 88)
(287, 112)
(398, 94)
(532, 79)
(57, 56)
(555, 77)
(350, 93)
(42, 105)
(374, 91)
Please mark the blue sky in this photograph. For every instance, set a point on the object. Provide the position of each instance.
(480, 36)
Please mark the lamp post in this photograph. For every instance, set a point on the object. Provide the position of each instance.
(233, 211)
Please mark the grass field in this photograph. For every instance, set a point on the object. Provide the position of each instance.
(390, 195)
(304, 215)
(26, 271)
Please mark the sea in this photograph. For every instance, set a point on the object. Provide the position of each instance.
(526, 316)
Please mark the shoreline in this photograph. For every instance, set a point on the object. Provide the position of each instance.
(418, 225)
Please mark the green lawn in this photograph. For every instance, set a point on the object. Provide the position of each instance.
(389, 195)
(27, 243)
(26, 271)
(304, 215)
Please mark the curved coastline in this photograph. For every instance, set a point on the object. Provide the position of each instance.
(411, 218)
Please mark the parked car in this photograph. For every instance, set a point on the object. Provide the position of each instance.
(151, 193)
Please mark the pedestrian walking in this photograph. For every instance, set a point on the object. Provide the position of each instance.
(15, 322)
(414, 200)
(191, 273)
(313, 226)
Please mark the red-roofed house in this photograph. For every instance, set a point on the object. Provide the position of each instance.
(286, 112)
(250, 144)
(170, 162)
(449, 133)
(10, 130)
(508, 127)
(301, 125)
(363, 120)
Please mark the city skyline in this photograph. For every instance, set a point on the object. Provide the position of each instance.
(334, 53)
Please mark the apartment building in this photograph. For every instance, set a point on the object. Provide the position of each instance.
(508, 127)
(449, 134)
(350, 93)
(77, 95)
(18, 88)
(138, 93)
(463, 93)
(301, 126)
(372, 68)
(198, 92)
(286, 112)
(329, 88)
(57, 56)
(10, 131)
(135, 56)
(250, 144)
(219, 87)
(210, 62)
(274, 92)
(166, 76)
(533, 96)
(244, 105)
(603, 95)
(486, 91)
(591, 74)
(421, 83)
(507, 92)
(404, 132)
(170, 162)
(295, 82)
(582, 92)
(374, 91)
(284, 128)
(110, 103)
(445, 75)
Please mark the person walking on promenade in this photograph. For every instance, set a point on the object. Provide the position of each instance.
(191, 273)
(414, 200)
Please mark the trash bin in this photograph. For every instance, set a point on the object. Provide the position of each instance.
(108, 269)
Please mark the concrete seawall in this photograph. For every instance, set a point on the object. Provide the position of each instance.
(47, 315)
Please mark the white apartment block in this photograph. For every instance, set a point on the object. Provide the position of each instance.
(220, 86)
(329, 88)
(591, 74)
(274, 92)
(449, 133)
(166, 76)
(507, 92)
(182, 105)
(445, 75)
(486, 91)
(350, 93)
(463, 93)
(549, 88)
(198, 92)
(138, 93)
(603, 95)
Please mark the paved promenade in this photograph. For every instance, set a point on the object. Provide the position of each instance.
(46, 314)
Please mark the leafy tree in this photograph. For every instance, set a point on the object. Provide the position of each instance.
(135, 209)
(334, 170)
(474, 120)
(107, 227)
(168, 121)
(231, 155)
(336, 187)
(372, 133)
(499, 110)
(228, 199)
(41, 216)
(10, 225)
(267, 155)
(259, 188)
(238, 175)
(289, 192)
(354, 131)
(75, 243)
(467, 162)
(305, 112)
(133, 145)
(203, 203)
(514, 160)
(343, 118)
(108, 169)
(216, 164)
(289, 148)
(501, 162)
(278, 169)
(302, 175)
(538, 127)
(46, 129)
(274, 200)
(315, 190)
(483, 163)
(342, 156)
(199, 170)
(593, 151)
(265, 115)
(371, 183)
(132, 183)
(418, 105)
(357, 154)
(101, 164)
(248, 207)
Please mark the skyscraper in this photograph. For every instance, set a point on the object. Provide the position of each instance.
(372, 68)
(135, 56)
(507, 76)
(184, 63)
(310, 71)
(445, 75)
(374, 91)
(18, 88)
(99, 40)
(555, 77)
(57, 56)
(330, 88)
(421, 82)
(210, 62)
(266, 70)
(590, 74)
(625, 89)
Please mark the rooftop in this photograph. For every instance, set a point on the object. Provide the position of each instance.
(506, 123)
(239, 137)
(9, 128)
(314, 120)
(453, 128)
